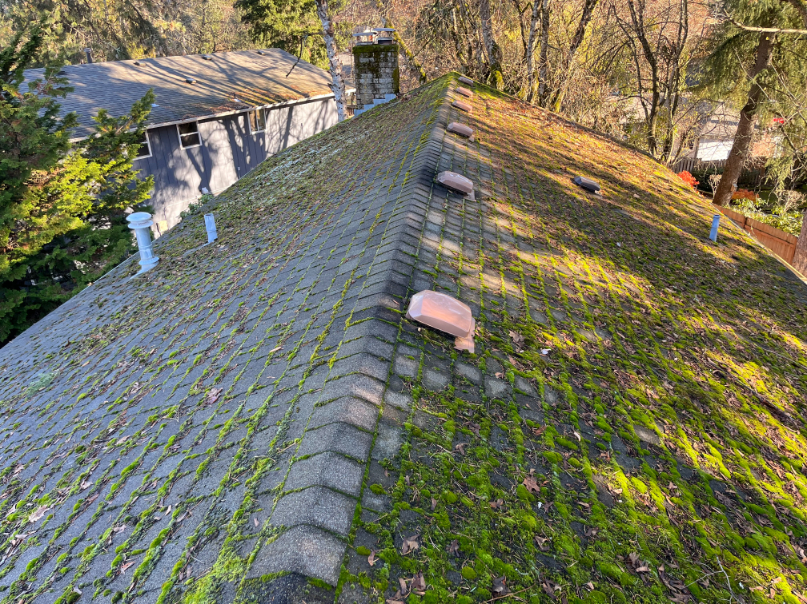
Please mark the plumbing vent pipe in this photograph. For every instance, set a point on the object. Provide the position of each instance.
(466, 80)
(457, 182)
(715, 225)
(464, 91)
(88, 52)
(140, 223)
(446, 314)
(461, 129)
(462, 105)
(210, 225)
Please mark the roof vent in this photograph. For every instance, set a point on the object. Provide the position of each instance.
(587, 184)
(210, 226)
(260, 52)
(207, 57)
(140, 222)
(456, 182)
(88, 52)
(466, 80)
(446, 314)
(464, 91)
(136, 63)
(462, 105)
(190, 80)
(461, 129)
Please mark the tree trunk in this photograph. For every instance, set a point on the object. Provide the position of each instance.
(800, 257)
(536, 13)
(577, 40)
(745, 129)
(543, 65)
(338, 85)
(491, 48)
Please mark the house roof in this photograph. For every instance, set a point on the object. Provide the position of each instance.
(228, 82)
(256, 420)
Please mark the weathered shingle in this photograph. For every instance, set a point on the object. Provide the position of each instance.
(228, 82)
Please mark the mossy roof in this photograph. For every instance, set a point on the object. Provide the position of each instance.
(257, 419)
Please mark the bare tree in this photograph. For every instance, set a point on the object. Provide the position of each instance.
(338, 85)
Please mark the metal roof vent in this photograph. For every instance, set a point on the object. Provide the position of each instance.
(466, 80)
(462, 105)
(464, 91)
(140, 222)
(461, 129)
(587, 184)
(207, 57)
(446, 314)
(457, 182)
(190, 80)
(136, 63)
(260, 52)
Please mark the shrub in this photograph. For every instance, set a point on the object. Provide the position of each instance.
(744, 194)
(688, 178)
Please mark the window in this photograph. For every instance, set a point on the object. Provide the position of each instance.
(145, 147)
(257, 121)
(189, 135)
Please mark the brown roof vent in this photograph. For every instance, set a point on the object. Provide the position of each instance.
(462, 105)
(446, 314)
(464, 91)
(456, 182)
(466, 80)
(461, 129)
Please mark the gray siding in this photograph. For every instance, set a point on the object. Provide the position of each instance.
(228, 152)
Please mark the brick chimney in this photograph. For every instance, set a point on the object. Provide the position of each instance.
(375, 69)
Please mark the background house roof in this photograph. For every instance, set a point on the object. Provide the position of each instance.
(228, 82)
(207, 432)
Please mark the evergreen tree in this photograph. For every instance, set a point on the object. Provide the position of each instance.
(62, 221)
(758, 61)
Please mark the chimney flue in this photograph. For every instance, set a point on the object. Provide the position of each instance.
(88, 52)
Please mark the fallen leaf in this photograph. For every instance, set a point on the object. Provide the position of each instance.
(499, 375)
(255, 520)
(541, 541)
(500, 585)
(548, 589)
(499, 503)
(371, 559)
(275, 349)
(590, 585)
(531, 484)
(410, 545)
(85, 484)
(460, 447)
(454, 547)
(418, 584)
(38, 513)
(213, 396)
(125, 566)
(434, 503)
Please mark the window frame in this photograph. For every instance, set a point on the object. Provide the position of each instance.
(198, 135)
(262, 111)
(148, 146)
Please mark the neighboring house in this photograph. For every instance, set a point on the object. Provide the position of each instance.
(215, 117)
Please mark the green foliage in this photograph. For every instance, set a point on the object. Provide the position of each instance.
(784, 82)
(62, 203)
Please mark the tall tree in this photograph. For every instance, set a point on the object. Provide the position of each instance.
(758, 42)
(335, 67)
(61, 203)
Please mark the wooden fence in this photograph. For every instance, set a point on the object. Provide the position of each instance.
(780, 243)
(751, 176)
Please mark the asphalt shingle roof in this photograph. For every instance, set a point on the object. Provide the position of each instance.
(228, 82)
(255, 420)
